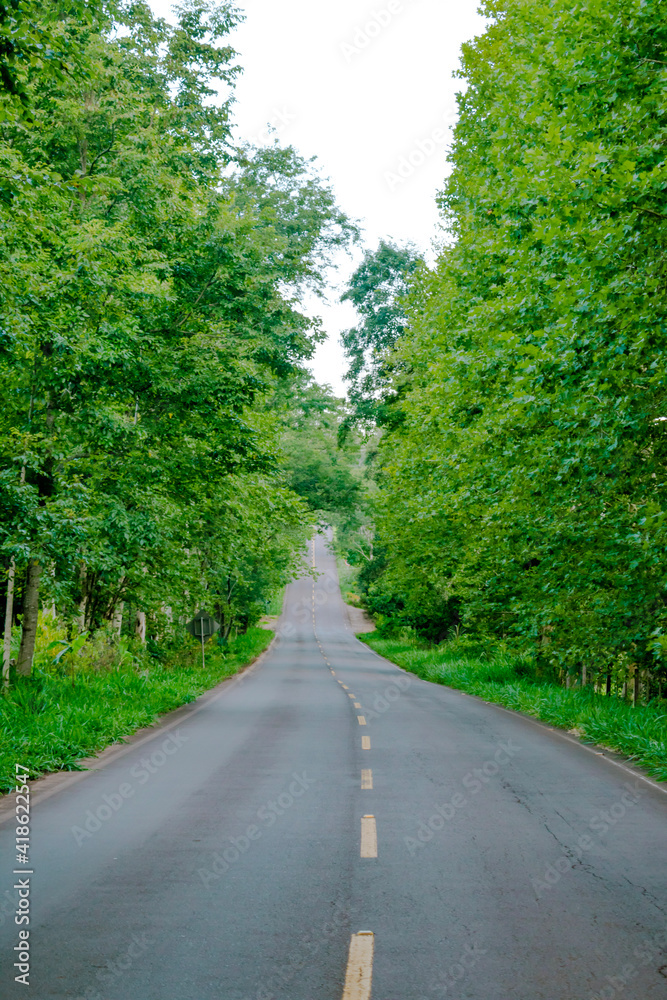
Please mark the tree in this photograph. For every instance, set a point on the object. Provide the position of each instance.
(527, 477)
(377, 290)
(150, 311)
(326, 476)
(35, 38)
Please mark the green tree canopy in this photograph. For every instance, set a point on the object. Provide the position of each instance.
(527, 480)
(150, 308)
(377, 290)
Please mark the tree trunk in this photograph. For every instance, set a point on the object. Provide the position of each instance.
(9, 617)
(140, 626)
(30, 613)
(583, 675)
(9, 609)
(636, 689)
(608, 684)
(118, 618)
(81, 620)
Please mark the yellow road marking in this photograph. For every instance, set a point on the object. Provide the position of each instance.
(365, 742)
(351, 695)
(346, 687)
(361, 720)
(357, 704)
(366, 778)
(359, 973)
(369, 837)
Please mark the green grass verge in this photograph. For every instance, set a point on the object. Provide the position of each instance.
(275, 606)
(48, 723)
(638, 733)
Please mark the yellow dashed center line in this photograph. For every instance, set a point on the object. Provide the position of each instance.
(369, 837)
(359, 974)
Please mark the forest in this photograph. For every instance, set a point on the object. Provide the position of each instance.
(153, 355)
(153, 344)
(519, 380)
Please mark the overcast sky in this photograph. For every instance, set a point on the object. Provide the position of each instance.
(368, 89)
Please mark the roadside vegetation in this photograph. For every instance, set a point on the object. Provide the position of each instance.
(163, 447)
(495, 673)
(153, 338)
(348, 579)
(514, 390)
(519, 382)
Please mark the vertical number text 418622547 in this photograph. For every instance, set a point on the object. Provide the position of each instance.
(22, 885)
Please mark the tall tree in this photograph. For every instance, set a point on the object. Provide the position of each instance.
(377, 290)
(527, 479)
(150, 307)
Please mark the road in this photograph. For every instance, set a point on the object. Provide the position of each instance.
(239, 853)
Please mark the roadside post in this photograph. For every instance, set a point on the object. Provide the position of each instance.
(202, 627)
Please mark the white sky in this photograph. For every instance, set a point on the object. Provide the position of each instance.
(367, 88)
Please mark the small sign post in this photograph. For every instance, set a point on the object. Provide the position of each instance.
(202, 627)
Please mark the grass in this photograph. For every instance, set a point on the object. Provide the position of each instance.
(274, 607)
(51, 721)
(505, 679)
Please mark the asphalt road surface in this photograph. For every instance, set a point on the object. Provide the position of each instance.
(242, 852)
